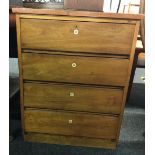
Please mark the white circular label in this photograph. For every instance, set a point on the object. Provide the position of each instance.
(74, 65)
(76, 31)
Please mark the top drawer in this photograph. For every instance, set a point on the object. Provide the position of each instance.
(76, 36)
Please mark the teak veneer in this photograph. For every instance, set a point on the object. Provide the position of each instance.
(75, 69)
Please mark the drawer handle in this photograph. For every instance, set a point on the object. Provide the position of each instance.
(76, 30)
(74, 65)
(70, 121)
(71, 94)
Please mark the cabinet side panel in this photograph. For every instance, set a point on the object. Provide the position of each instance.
(129, 74)
(18, 26)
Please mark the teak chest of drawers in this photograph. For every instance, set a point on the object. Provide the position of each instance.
(74, 73)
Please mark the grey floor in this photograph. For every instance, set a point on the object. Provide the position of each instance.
(132, 141)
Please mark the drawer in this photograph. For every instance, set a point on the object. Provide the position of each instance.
(75, 69)
(77, 36)
(73, 97)
(70, 140)
(73, 124)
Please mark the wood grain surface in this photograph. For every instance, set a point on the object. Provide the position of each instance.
(73, 124)
(63, 12)
(73, 86)
(87, 70)
(73, 97)
(20, 71)
(92, 37)
(70, 140)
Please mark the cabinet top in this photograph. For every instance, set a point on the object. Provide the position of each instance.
(62, 12)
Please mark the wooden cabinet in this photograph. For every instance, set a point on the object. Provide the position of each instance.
(74, 73)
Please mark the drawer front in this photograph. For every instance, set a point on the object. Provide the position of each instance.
(74, 124)
(77, 36)
(75, 69)
(70, 140)
(67, 97)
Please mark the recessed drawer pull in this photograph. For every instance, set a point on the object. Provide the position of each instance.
(70, 121)
(71, 94)
(74, 65)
